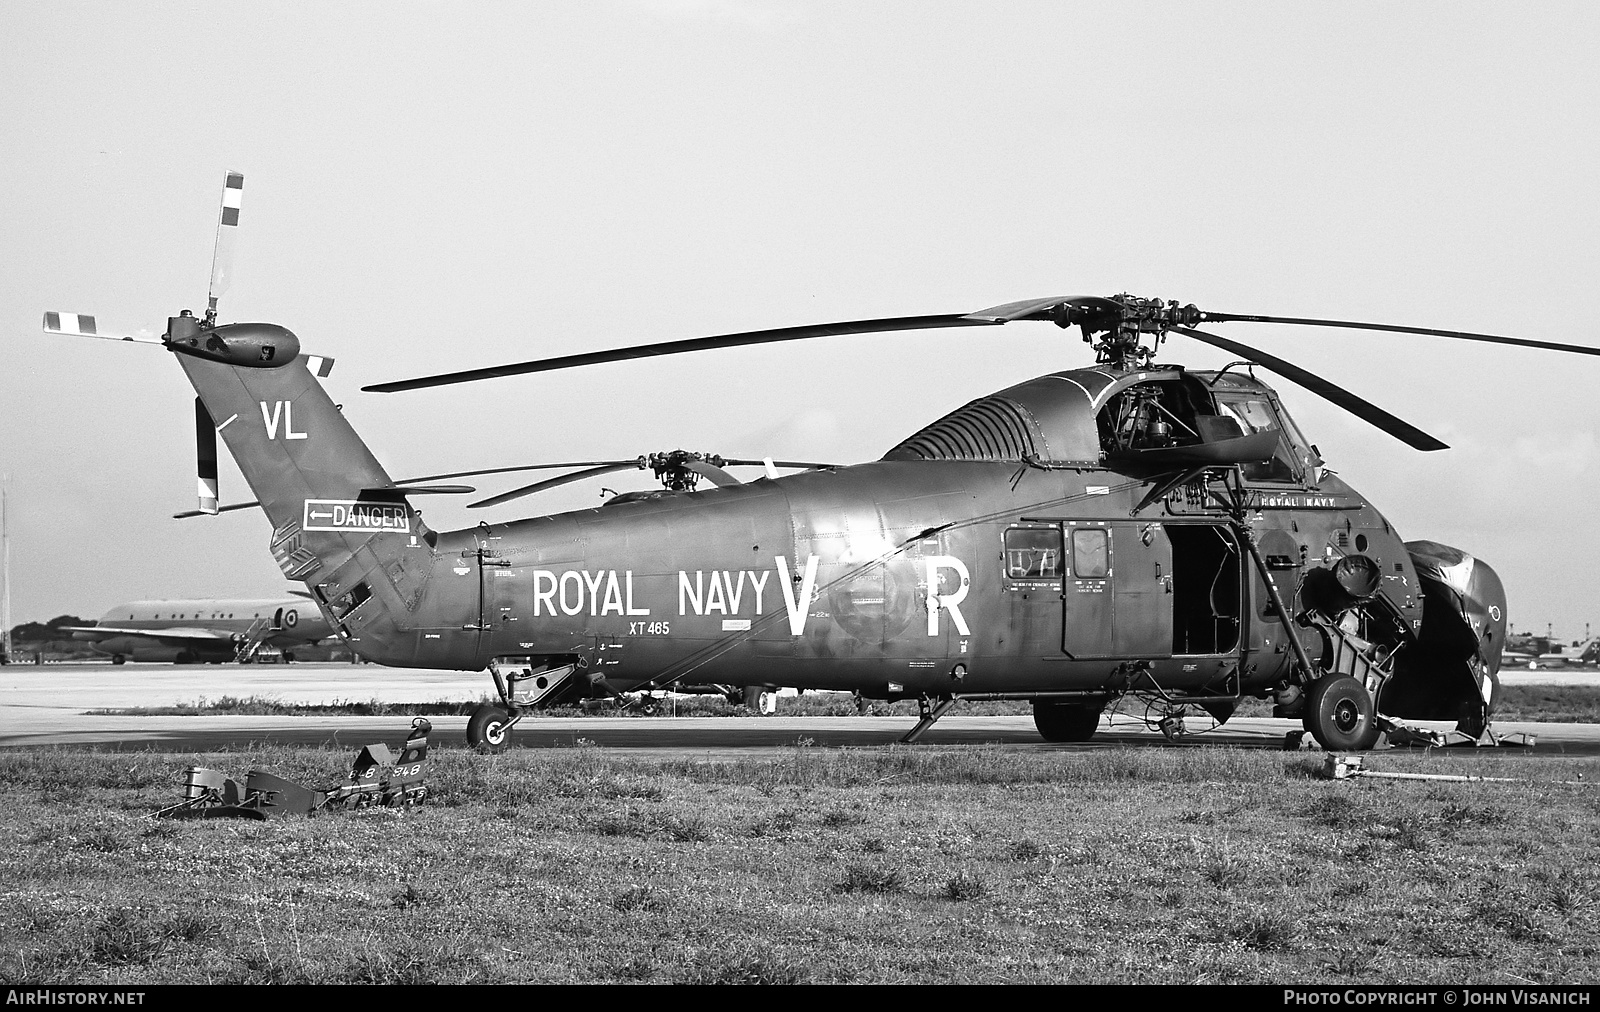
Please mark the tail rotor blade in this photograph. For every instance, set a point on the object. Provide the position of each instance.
(227, 229)
(205, 457)
(79, 325)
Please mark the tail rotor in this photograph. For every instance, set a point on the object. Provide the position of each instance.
(234, 343)
(222, 252)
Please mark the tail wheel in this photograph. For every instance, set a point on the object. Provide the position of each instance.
(1340, 714)
(489, 728)
(1066, 722)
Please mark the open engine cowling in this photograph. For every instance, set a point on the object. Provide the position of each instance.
(1452, 670)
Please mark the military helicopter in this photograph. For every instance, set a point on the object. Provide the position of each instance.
(1129, 528)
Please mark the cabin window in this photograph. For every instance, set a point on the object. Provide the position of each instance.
(1091, 553)
(1033, 553)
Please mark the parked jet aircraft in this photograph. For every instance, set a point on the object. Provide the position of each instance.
(1562, 655)
(200, 631)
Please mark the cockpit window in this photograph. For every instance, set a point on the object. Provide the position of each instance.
(1256, 414)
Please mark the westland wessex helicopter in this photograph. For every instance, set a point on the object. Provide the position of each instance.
(1131, 528)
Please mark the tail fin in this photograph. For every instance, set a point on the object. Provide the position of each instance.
(319, 484)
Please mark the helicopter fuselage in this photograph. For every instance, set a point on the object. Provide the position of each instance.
(920, 574)
(1070, 539)
(1130, 528)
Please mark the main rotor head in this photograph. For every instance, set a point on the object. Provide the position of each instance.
(1116, 327)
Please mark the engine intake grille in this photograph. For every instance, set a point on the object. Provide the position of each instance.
(991, 428)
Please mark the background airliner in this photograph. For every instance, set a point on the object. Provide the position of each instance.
(201, 631)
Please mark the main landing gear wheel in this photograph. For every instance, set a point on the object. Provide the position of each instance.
(1340, 714)
(489, 728)
(118, 659)
(1066, 722)
(761, 699)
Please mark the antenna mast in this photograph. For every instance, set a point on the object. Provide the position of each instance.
(5, 571)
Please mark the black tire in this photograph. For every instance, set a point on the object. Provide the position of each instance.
(118, 659)
(184, 657)
(488, 729)
(288, 657)
(1340, 714)
(1066, 722)
(762, 700)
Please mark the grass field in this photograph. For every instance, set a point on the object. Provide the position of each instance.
(915, 864)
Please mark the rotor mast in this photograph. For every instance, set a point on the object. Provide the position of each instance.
(1116, 327)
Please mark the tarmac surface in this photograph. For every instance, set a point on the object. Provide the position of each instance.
(45, 706)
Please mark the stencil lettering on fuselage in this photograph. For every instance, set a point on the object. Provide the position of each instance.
(580, 591)
(724, 594)
(938, 602)
(280, 411)
(737, 595)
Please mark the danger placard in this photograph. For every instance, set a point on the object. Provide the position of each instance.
(349, 516)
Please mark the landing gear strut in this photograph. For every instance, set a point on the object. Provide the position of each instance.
(928, 712)
(489, 727)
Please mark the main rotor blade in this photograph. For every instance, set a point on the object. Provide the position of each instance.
(805, 465)
(1362, 409)
(1428, 331)
(691, 344)
(718, 476)
(509, 470)
(540, 486)
(403, 483)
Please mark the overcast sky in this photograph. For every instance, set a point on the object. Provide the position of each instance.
(433, 187)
